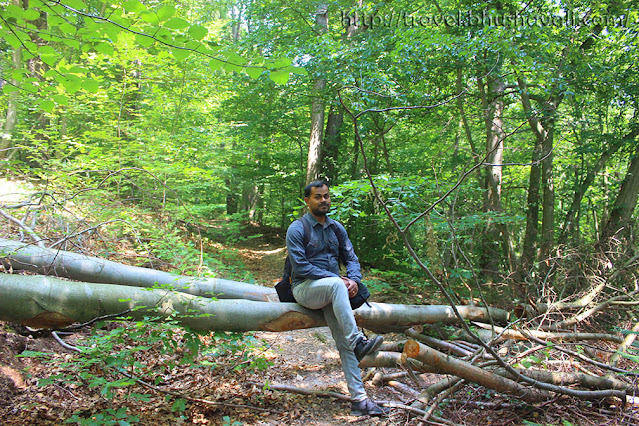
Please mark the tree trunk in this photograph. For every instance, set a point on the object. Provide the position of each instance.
(445, 364)
(618, 225)
(45, 302)
(332, 139)
(79, 267)
(493, 106)
(12, 109)
(548, 191)
(571, 217)
(313, 166)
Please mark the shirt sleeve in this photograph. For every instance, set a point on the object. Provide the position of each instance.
(353, 270)
(297, 253)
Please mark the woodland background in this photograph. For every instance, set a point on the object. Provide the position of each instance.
(487, 160)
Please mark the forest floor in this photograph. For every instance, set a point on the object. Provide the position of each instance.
(302, 359)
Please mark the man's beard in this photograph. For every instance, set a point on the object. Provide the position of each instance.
(319, 212)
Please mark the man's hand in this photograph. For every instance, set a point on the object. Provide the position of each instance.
(351, 285)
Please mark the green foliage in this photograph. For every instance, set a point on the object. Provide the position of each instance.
(227, 422)
(108, 417)
(115, 356)
(239, 351)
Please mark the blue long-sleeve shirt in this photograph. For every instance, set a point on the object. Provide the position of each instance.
(320, 258)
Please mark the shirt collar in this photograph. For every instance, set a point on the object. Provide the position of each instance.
(313, 221)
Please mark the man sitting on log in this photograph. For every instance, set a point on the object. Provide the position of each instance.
(317, 284)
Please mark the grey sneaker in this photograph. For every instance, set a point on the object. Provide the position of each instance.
(366, 346)
(368, 408)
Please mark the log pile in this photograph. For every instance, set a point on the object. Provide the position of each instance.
(498, 352)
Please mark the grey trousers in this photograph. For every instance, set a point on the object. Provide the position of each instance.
(331, 296)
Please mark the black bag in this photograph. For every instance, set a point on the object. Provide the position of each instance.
(285, 291)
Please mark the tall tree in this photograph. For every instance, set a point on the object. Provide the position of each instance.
(313, 166)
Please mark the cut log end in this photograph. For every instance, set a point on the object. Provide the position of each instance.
(411, 349)
(290, 321)
(48, 320)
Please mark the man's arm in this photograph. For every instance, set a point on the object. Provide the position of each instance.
(297, 253)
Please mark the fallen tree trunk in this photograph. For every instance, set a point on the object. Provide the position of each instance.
(562, 378)
(505, 334)
(20, 256)
(445, 364)
(47, 302)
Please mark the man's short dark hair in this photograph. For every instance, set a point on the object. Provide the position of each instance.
(314, 184)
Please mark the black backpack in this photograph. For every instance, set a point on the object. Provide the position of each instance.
(283, 287)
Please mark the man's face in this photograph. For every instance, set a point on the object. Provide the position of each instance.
(319, 202)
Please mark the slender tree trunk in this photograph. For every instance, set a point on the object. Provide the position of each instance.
(332, 139)
(548, 191)
(12, 108)
(528, 253)
(493, 106)
(529, 256)
(618, 226)
(571, 217)
(313, 167)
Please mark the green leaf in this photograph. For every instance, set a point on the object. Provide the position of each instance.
(164, 35)
(47, 50)
(150, 17)
(61, 99)
(90, 85)
(144, 41)
(29, 87)
(104, 48)
(47, 105)
(76, 4)
(232, 67)
(198, 32)
(67, 28)
(9, 88)
(72, 85)
(12, 40)
(134, 6)
(71, 43)
(215, 64)
(165, 12)
(176, 24)
(49, 59)
(297, 70)
(253, 72)
(180, 54)
(282, 62)
(13, 11)
(17, 75)
(279, 77)
(31, 14)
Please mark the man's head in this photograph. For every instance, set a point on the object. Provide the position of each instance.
(317, 198)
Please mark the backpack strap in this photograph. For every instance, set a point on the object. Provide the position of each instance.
(340, 247)
(307, 231)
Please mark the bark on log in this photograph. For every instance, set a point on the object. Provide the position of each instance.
(20, 256)
(384, 359)
(552, 336)
(387, 317)
(562, 378)
(445, 364)
(46, 302)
